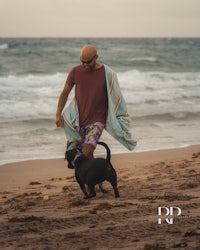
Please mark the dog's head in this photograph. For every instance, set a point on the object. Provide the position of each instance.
(71, 156)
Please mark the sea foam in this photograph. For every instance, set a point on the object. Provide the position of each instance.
(4, 46)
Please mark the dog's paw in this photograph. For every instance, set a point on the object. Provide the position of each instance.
(117, 193)
(117, 196)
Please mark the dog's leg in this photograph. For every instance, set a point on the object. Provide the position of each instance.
(84, 191)
(92, 191)
(112, 178)
(116, 191)
(114, 185)
(82, 186)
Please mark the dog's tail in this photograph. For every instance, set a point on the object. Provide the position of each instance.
(107, 149)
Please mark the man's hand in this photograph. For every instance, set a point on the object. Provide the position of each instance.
(59, 121)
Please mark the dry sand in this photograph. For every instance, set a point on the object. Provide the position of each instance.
(169, 178)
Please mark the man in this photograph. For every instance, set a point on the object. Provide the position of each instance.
(98, 104)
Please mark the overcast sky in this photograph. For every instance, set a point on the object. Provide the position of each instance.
(99, 18)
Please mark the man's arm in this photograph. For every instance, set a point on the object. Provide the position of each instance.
(61, 104)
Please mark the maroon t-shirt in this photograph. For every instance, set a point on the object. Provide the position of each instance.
(90, 93)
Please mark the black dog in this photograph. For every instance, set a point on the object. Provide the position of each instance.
(92, 171)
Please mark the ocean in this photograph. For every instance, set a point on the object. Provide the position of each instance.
(159, 78)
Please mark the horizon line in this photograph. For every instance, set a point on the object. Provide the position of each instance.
(102, 37)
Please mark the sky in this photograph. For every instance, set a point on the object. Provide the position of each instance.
(99, 18)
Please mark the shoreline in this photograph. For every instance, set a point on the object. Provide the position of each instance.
(6, 162)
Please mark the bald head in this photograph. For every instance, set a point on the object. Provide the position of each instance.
(87, 52)
(88, 57)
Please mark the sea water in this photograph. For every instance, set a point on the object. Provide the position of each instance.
(159, 78)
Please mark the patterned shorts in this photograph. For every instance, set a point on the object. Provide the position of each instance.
(90, 134)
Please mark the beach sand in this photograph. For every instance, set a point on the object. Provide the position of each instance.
(146, 181)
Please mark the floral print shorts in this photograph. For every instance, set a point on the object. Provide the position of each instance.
(90, 134)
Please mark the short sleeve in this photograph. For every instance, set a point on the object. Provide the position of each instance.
(70, 78)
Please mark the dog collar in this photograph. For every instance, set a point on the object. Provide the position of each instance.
(75, 158)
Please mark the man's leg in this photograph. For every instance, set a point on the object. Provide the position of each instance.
(88, 150)
(93, 133)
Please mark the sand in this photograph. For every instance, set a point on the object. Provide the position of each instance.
(146, 181)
